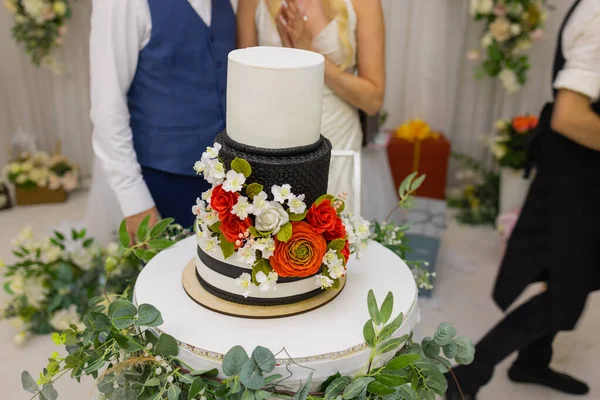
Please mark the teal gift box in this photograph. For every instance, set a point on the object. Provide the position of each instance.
(427, 221)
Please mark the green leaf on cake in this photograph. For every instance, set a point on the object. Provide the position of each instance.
(241, 166)
(234, 360)
(329, 197)
(285, 233)
(227, 247)
(297, 217)
(373, 308)
(386, 308)
(256, 233)
(142, 232)
(215, 227)
(356, 387)
(336, 387)
(253, 189)
(174, 392)
(337, 244)
(123, 234)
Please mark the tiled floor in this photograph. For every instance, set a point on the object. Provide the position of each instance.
(467, 267)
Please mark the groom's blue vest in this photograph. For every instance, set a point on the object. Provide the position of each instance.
(177, 97)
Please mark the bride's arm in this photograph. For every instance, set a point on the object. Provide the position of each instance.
(366, 90)
(246, 27)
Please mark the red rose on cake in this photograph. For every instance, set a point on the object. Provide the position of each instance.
(338, 231)
(222, 201)
(231, 227)
(322, 217)
(346, 251)
(302, 255)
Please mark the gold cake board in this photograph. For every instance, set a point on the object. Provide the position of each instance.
(196, 292)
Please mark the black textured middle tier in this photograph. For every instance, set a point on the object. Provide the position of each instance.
(305, 168)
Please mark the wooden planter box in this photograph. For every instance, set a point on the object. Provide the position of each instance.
(39, 196)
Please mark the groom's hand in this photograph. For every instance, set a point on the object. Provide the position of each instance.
(134, 221)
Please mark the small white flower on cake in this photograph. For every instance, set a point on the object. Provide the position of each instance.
(260, 203)
(209, 217)
(206, 195)
(213, 152)
(266, 245)
(267, 282)
(281, 193)
(207, 242)
(198, 207)
(336, 269)
(323, 282)
(349, 229)
(244, 282)
(242, 208)
(217, 169)
(330, 257)
(234, 181)
(199, 167)
(272, 219)
(246, 255)
(296, 204)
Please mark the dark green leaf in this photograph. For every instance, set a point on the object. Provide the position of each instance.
(492, 68)
(373, 308)
(59, 235)
(128, 343)
(166, 346)
(336, 387)
(442, 364)
(145, 255)
(402, 361)
(120, 304)
(272, 378)
(253, 189)
(174, 393)
(494, 53)
(29, 383)
(328, 381)
(407, 393)
(160, 244)
(147, 313)
(285, 233)
(302, 394)
(241, 166)
(234, 360)
(391, 380)
(152, 382)
(466, 350)
(123, 234)
(444, 334)
(94, 365)
(49, 392)
(142, 231)
(212, 373)
(356, 387)
(390, 345)
(379, 389)
(369, 333)
(430, 347)
(392, 327)
(227, 248)
(251, 376)
(187, 379)
(262, 395)
(450, 350)
(236, 387)
(88, 242)
(160, 227)
(196, 388)
(247, 395)
(123, 318)
(264, 358)
(105, 387)
(386, 308)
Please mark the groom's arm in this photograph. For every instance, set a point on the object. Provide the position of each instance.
(119, 30)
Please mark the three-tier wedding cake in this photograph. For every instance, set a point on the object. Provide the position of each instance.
(268, 233)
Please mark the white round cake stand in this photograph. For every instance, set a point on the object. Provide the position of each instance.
(324, 341)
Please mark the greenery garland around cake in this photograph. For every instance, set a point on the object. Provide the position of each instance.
(283, 237)
(118, 347)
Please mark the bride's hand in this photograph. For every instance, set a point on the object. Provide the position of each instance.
(281, 28)
(293, 21)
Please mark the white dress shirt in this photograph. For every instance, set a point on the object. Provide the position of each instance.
(119, 31)
(581, 48)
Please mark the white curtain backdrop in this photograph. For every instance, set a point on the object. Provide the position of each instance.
(428, 76)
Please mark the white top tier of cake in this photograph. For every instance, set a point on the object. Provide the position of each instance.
(274, 97)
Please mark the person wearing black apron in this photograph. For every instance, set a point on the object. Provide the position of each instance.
(557, 237)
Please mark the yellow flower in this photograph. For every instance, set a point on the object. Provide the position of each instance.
(469, 190)
(416, 129)
(11, 6)
(60, 8)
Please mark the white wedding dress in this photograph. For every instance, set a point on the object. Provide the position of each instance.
(340, 122)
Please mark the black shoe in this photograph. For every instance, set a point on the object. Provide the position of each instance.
(453, 393)
(549, 378)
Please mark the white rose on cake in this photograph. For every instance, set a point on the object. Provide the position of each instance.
(272, 218)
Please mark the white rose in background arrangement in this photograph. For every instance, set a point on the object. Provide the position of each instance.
(17, 284)
(500, 125)
(272, 218)
(501, 29)
(35, 291)
(487, 40)
(509, 81)
(50, 254)
(267, 282)
(498, 150)
(515, 29)
(61, 319)
(485, 7)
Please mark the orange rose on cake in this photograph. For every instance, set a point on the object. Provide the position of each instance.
(322, 217)
(231, 227)
(302, 255)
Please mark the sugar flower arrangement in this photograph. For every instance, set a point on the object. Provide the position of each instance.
(509, 145)
(283, 237)
(42, 170)
(40, 27)
(511, 26)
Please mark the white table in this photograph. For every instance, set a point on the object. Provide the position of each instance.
(323, 341)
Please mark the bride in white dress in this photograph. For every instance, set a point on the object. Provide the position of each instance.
(350, 34)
